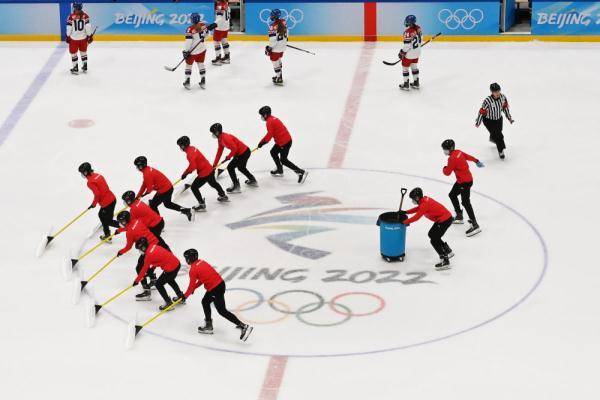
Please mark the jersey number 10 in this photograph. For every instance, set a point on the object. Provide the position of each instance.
(78, 24)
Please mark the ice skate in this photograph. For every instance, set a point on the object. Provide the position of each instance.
(202, 83)
(188, 213)
(166, 306)
(234, 188)
(277, 173)
(473, 230)
(226, 59)
(207, 329)
(84, 67)
(106, 238)
(217, 61)
(144, 296)
(443, 264)
(186, 84)
(75, 70)
(200, 207)
(302, 176)
(415, 84)
(251, 182)
(459, 218)
(405, 86)
(448, 251)
(246, 330)
(223, 199)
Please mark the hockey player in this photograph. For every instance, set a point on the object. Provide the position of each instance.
(102, 196)
(156, 180)
(239, 155)
(156, 256)
(410, 52)
(194, 48)
(442, 219)
(79, 35)
(283, 142)
(205, 171)
(278, 37)
(223, 16)
(491, 114)
(458, 164)
(140, 210)
(135, 229)
(202, 273)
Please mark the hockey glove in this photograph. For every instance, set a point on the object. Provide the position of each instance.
(211, 26)
(402, 54)
(186, 54)
(90, 39)
(268, 50)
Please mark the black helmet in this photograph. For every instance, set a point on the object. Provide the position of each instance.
(183, 142)
(124, 217)
(85, 168)
(416, 194)
(216, 129)
(190, 255)
(128, 197)
(265, 111)
(140, 162)
(494, 87)
(141, 244)
(448, 144)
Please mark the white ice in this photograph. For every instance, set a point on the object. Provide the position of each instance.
(541, 346)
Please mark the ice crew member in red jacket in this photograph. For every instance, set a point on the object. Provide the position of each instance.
(202, 273)
(205, 173)
(458, 164)
(156, 180)
(102, 196)
(156, 256)
(442, 219)
(239, 155)
(135, 229)
(140, 210)
(277, 131)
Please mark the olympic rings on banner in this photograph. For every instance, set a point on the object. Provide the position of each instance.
(292, 17)
(277, 304)
(460, 18)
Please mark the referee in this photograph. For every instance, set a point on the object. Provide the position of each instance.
(491, 114)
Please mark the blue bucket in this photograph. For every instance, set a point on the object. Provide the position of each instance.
(392, 236)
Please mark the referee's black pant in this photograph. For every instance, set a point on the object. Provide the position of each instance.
(494, 127)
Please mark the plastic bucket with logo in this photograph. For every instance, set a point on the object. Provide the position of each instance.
(392, 236)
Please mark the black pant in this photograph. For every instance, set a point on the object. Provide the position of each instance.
(464, 190)
(157, 230)
(494, 127)
(164, 198)
(200, 181)
(217, 295)
(240, 162)
(438, 229)
(280, 156)
(168, 278)
(106, 217)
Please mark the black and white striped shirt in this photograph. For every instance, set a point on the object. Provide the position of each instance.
(493, 108)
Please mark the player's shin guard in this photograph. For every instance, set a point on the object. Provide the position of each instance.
(217, 48)
(74, 60)
(415, 73)
(405, 74)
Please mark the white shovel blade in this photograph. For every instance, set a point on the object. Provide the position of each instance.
(130, 340)
(90, 313)
(67, 269)
(43, 244)
(76, 292)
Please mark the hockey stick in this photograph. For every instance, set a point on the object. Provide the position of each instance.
(135, 329)
(46, 241)
(183, 59)
(396, 62)
(299, 49)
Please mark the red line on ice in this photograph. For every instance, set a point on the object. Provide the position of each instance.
(342, 139)
(273, 378)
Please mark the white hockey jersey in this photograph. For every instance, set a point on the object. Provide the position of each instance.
(278, 36)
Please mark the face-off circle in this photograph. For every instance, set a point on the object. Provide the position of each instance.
(314, 284)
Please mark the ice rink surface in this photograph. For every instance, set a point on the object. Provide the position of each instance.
(515, 318)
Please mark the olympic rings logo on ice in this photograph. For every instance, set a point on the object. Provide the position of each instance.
(341, 311)
(460, 18)
(293, 17)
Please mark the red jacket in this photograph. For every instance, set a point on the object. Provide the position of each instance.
(431, 209)
(134, 230)
(154, 180)
(276, 130)
(202, 273)
(232, 143)
(142, 211)
(98, 185)
(197, 162)
(157, 256)
(457, 163)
